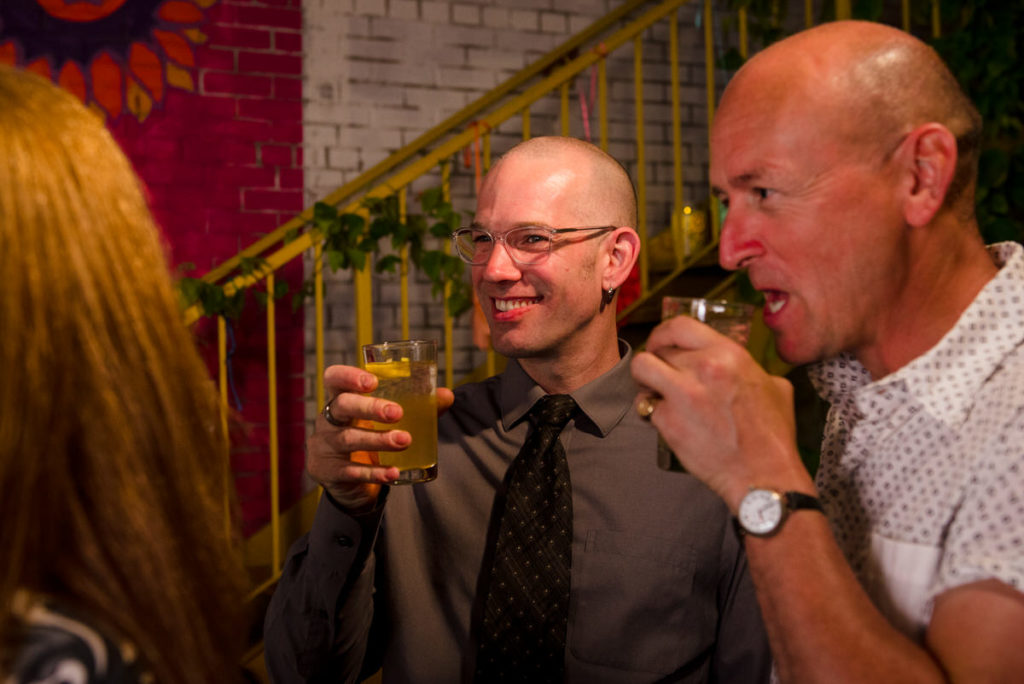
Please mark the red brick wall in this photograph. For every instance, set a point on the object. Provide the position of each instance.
(223, 166)
(224, 163)
(232, 171)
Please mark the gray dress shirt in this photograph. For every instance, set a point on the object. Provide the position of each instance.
(660, 590)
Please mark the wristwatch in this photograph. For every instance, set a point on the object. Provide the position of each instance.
(762, 511)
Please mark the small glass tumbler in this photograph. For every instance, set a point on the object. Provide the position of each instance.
(732, 319)
(406, 373)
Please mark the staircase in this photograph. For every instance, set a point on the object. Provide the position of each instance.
(634, 51)
(629, 64)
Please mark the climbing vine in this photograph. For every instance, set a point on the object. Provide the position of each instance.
(354, 240)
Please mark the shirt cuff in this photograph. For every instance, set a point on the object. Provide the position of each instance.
(337, 540)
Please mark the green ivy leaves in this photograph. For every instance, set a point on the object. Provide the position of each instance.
(351, 240)
(212, 298)
(979, 42)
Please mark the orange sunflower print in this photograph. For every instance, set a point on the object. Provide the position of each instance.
(118, 56)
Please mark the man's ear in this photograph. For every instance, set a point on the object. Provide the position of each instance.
(929, 156)
(623, 249)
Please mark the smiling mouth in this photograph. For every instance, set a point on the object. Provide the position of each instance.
(504, 305)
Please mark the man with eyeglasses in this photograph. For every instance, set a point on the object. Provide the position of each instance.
(647, 580)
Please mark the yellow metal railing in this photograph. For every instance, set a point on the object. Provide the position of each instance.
(430, 137)
(709, 74)
(474, 125)
(473, 128)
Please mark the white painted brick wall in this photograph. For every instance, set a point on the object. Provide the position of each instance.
(380, 72)
(525, 20)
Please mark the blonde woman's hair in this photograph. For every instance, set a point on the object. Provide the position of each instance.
(112, 454)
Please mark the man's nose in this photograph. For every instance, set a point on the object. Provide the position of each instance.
(738, 243)
(500, 265)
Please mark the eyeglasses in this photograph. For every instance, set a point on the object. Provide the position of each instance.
(527, 245)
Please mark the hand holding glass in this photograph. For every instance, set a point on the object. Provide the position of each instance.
(732, 319)
(406, 373)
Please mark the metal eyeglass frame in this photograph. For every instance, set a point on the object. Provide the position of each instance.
(542, 256)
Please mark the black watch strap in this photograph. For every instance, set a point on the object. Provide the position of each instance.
(796, 501)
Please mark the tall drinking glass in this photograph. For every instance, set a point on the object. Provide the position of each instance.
(406, 373)
(732, 319)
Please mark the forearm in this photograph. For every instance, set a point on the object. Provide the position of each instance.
(821, 624)
(318, 622)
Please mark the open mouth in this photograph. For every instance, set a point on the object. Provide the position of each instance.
(504, 305)
(774, 301)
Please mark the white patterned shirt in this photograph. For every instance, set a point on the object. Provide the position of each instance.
(922, 471)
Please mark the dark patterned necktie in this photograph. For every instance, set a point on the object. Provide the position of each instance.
(527, 606)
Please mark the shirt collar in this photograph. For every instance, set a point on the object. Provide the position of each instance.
(984, 334)
(604, 400)
(987, 331)
(838, 377)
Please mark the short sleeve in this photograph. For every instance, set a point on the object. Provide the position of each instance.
(986, 536)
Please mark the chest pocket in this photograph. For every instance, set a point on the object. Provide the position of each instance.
(899, 580)
(632, 605)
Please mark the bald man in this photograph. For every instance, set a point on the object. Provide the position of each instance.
(847, 156)
(399, 576)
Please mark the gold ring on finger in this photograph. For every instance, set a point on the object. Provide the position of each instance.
(645, 407)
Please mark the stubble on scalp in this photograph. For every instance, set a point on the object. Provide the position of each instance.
(605, 196)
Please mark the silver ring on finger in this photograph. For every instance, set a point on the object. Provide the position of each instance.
(331, 419)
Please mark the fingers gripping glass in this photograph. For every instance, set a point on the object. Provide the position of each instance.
(526, 245)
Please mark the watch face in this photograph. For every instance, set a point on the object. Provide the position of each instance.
(761, 511)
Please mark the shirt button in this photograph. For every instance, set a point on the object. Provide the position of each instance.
(344, 541)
